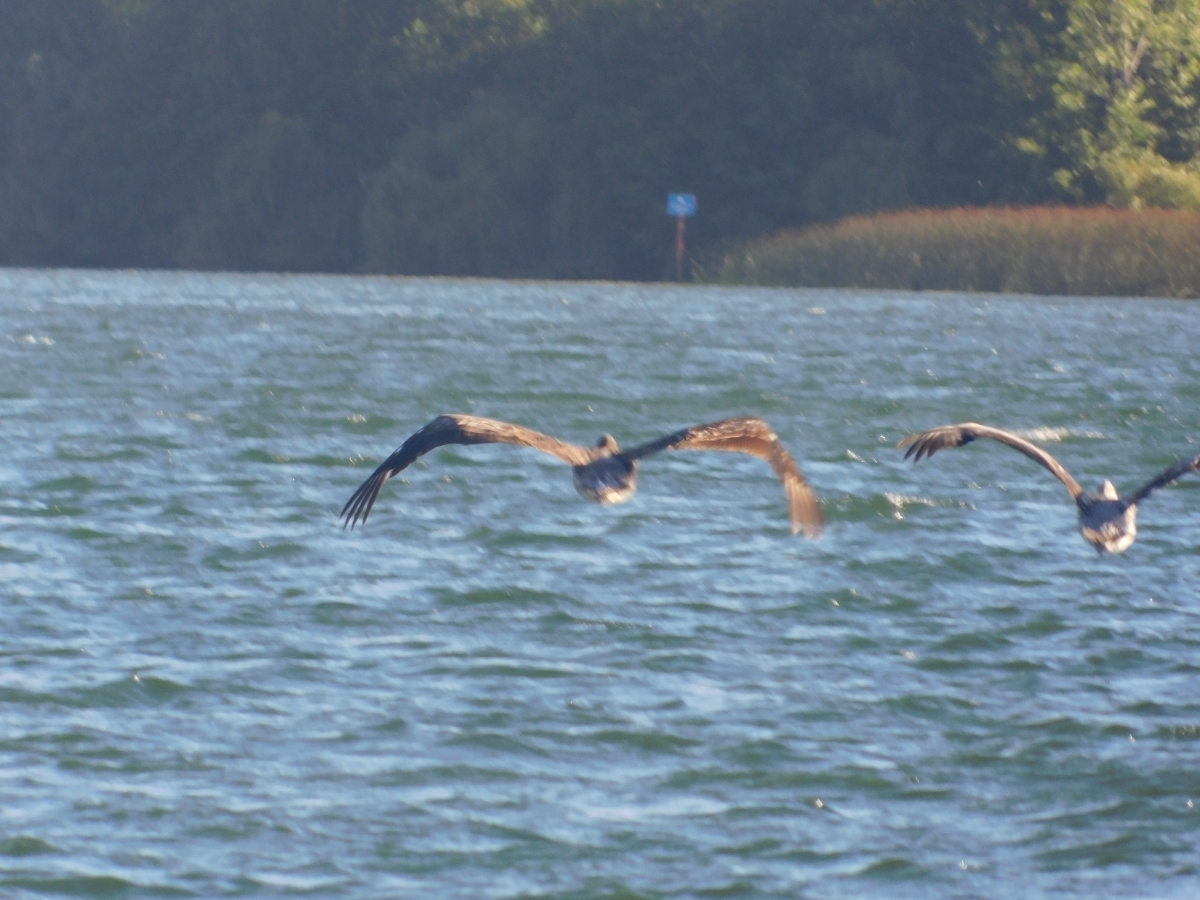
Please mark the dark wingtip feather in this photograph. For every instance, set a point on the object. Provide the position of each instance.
(912, 442)
(928, 443)
(358, 507)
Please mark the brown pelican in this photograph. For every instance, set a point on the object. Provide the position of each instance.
(604, 473)
(1107, 520)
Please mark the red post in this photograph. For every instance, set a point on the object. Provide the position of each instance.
(679, 249)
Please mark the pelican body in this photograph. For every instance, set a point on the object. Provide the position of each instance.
(605, 473)
(611, 478)
(1107, 520)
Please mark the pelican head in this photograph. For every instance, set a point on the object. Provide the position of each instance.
(1109, 491)
(609, 443)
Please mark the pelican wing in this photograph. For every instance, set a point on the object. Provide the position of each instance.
(753, 436)
(454, 429)
(1168, 475)
(930, 442)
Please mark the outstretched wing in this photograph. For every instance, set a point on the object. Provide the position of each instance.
(930, 442)
(454, 429)
(753, 436)
(1168, 475)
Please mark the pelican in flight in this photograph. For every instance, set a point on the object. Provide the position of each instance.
(604, 473)
(1107, 520)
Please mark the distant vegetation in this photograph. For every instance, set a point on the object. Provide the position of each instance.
(1048, 250)
(540, 137)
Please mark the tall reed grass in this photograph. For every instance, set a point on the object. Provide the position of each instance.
(1032, 250)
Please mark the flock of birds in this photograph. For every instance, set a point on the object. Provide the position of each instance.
(608, 475)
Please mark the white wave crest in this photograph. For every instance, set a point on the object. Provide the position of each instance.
(1048, 435)
(900, 501)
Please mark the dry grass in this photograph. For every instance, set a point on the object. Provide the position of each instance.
(1034, 250)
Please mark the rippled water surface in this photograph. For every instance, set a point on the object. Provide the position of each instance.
(497, 689)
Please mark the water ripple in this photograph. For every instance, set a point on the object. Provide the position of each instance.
(496, 690)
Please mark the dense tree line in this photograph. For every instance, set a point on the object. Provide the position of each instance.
(540, 137)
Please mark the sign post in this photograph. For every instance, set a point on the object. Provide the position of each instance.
(681, 206)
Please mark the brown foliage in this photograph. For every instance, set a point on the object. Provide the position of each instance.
(1032, 250)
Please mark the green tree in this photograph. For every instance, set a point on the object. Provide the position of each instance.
(466, 198)
(272, 205)
(1123, 113)
(540, 137)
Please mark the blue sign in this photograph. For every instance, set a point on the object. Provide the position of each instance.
(681, 204)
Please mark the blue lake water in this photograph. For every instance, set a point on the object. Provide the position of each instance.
(499, 690)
